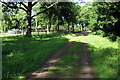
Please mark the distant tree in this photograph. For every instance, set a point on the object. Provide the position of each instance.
(60, 14)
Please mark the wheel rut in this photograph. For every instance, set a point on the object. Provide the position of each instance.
(85, 67)
(43, 71)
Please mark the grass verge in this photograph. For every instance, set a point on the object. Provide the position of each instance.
(23, 55)
(105, 56)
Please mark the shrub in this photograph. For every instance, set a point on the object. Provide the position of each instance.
(99, 32)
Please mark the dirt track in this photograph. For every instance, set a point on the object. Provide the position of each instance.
(85, 69)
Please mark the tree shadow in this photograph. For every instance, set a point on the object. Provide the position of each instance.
(55, 66)
(51, 35)
(105, 61)
(22, 55)
(82, 33)
(67, 66)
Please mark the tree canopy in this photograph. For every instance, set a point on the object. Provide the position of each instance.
(101, 17)
(106, 18)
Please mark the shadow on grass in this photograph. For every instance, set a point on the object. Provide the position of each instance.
(105, 61)
(82, 33)
(23, 55)
(62, 64)
(67, 64)
(51, 35)
(19, 39)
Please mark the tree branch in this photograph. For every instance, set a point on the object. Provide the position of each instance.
(22, 9)
(45, 9)
(24, 5)
(9, 5)
(34, 3)
(14, 7)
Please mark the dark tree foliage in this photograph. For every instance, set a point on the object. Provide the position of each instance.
(108, 19)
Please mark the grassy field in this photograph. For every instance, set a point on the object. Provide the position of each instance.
(105, 56)
(23, 55)
(33, 33)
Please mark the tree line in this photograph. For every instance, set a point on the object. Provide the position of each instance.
(100, 17)
(16, 14)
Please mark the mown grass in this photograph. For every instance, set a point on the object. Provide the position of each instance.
(8, 35)
(23, 55)
(67, 64)
(105, 56)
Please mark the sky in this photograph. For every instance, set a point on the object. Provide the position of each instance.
(58, 0)
(82, 2)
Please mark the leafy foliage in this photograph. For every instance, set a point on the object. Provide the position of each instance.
(107, 18)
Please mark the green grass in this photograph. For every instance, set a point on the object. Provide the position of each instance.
(23, 55)
(105, 56)
(33, 33)
(67, 64)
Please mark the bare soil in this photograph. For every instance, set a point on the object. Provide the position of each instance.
(85, 68)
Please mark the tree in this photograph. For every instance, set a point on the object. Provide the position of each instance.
(68, 12)
(59, 14)
(108, 19)
(27, 7)
(84, 16)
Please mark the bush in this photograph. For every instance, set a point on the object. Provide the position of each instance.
(112, 37)
(99, 32)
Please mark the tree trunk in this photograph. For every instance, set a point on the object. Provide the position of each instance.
(38, 30)
(36, 25)
(82, 27)
(49, 25)
(58, 25)
(47, 28)
(68, 27)
(28, 33)
(72, 27)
